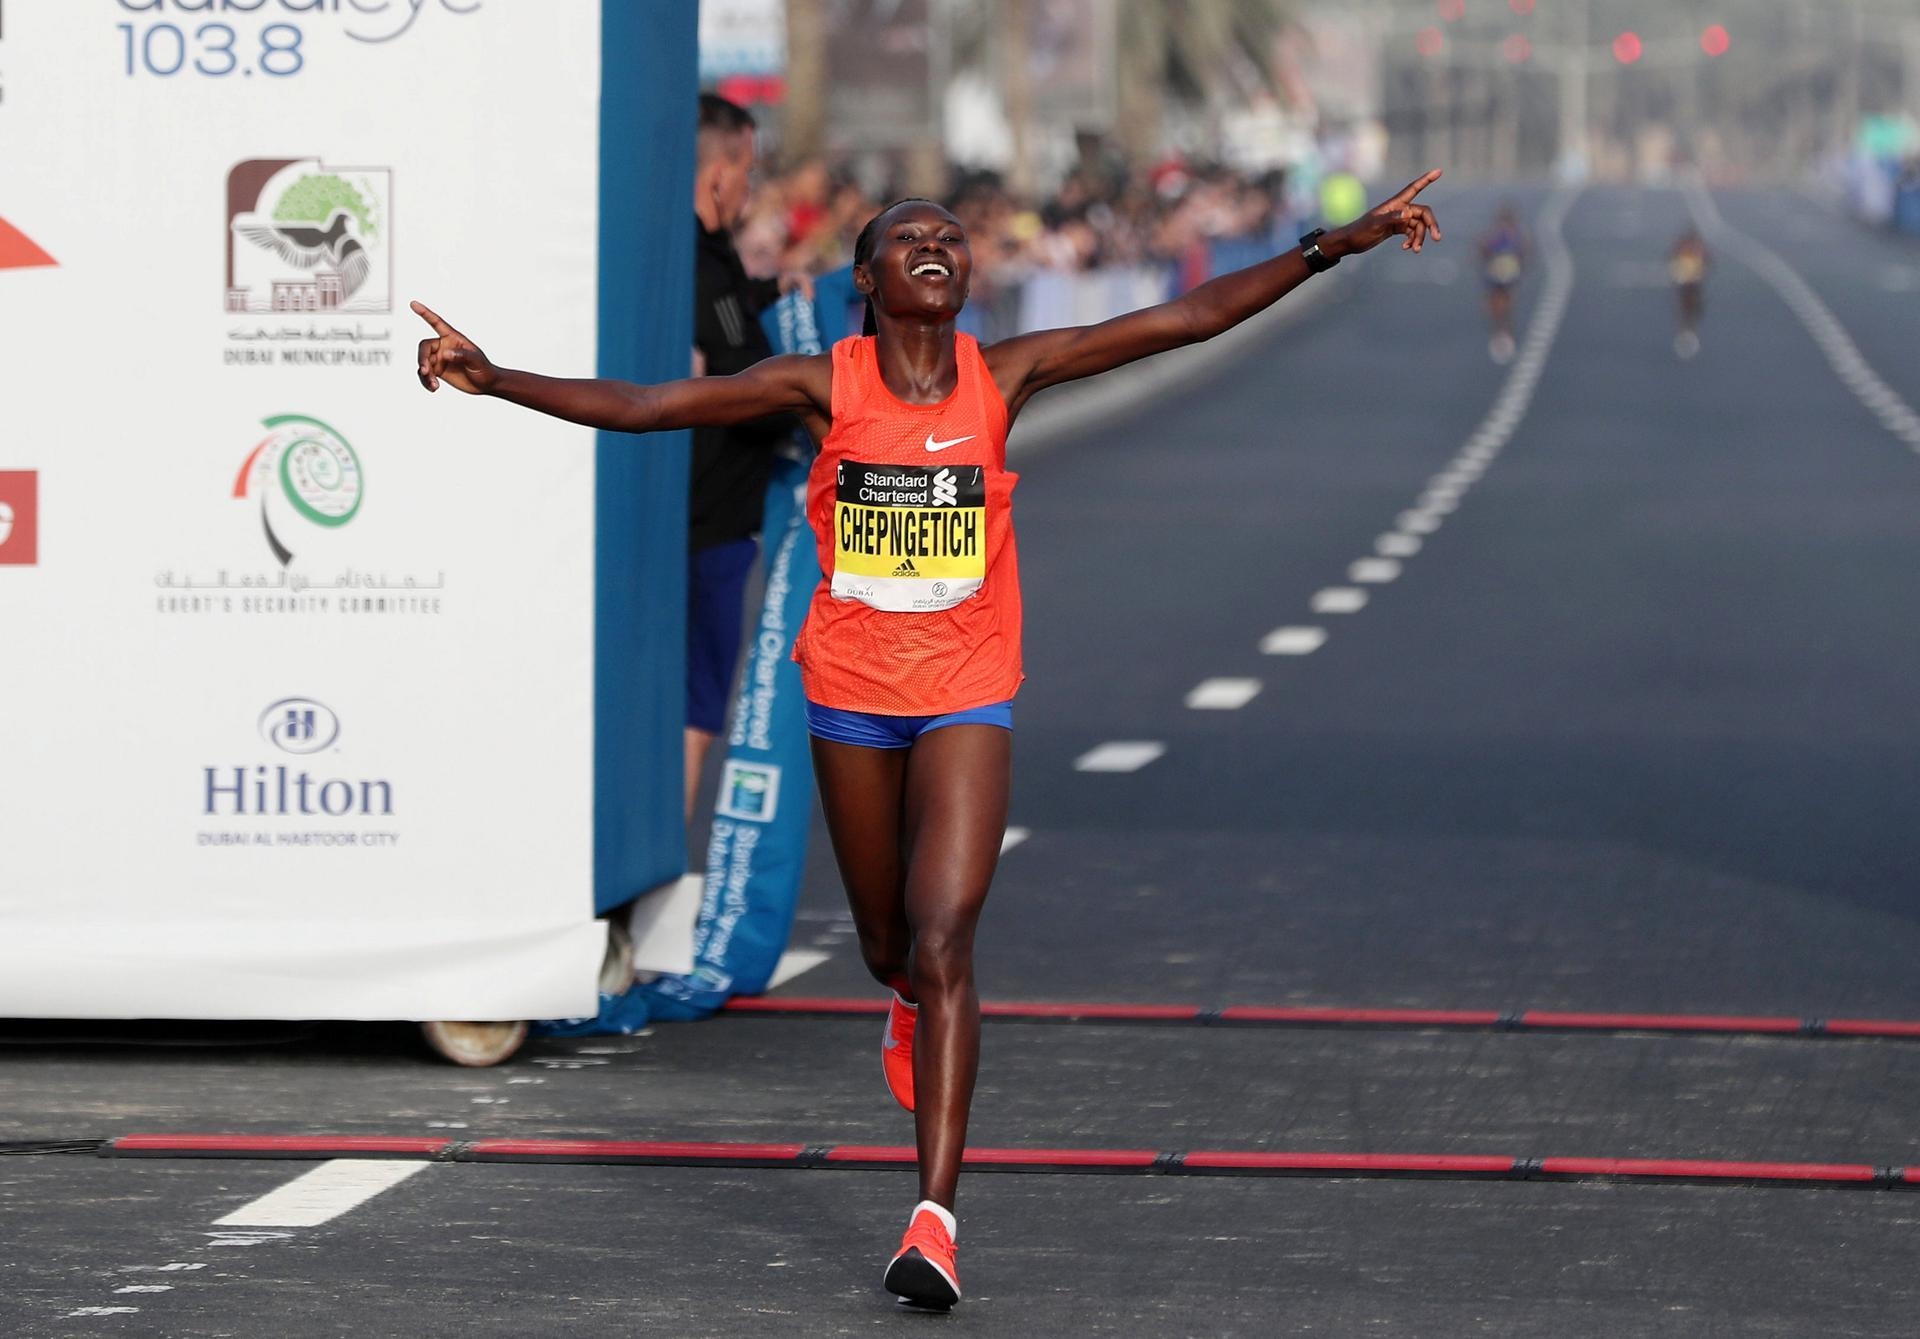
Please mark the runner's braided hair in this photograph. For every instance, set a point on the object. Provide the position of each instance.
(863, 249)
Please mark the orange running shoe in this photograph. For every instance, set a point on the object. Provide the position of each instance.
(923, 1274)
(896, 1050)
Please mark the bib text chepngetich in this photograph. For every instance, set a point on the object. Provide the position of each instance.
(909, 539)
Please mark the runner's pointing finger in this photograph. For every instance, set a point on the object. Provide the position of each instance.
(1415, 187)
(428, 315)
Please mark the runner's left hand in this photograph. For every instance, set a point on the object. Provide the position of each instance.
(1400, 216)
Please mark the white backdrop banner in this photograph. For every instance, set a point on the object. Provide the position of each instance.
(296, 660)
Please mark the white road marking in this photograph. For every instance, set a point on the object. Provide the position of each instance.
(1374, 571)
(174, 1268)
(1842, 354)
(1293, 641)
(1418, 522)
(1222, 694)
(1339, 600)
(324, 1193)
(1393, 544)
(1120, 755)
(102, 1311)
(145, 1288)
(1012, 837)
(793, 962)
(255, 1238)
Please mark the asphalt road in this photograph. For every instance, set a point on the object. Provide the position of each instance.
(1631, 731)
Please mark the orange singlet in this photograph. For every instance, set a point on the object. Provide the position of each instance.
(918, 609)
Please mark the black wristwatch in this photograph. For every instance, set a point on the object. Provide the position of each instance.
(1317, 260)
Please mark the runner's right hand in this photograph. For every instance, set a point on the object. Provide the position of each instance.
(451, 357)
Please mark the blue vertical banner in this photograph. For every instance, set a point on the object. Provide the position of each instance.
(649, 98)
(757, 845)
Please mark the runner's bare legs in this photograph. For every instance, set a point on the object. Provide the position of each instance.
(917, 835)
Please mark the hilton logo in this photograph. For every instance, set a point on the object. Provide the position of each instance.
(296, 725)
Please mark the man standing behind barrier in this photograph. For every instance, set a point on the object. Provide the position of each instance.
(730, 466)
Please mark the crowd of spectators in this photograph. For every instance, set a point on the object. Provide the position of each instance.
(1173, 218)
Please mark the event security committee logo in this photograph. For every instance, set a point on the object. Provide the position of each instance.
(305, 484)
(309, 251)
(303, 473)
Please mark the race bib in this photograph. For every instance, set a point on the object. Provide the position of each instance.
(1503, 268)
(909, 539)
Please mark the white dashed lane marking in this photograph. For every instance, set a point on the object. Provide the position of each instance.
(1121, 755)
(1293, 641)
(1374, 571)
(1393, 544)
(324, 1193)
(1222, 694)
(1842, 354)
(1339, 600)
(1013, 837)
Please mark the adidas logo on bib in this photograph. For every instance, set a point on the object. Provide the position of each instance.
(906, 569)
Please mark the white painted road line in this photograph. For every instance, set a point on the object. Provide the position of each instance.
(1012, 837)
(1374, 571)
(1293, 641)
(326, 1192)
(793, 962)
(1396, 545)
(1842, 354)
(1223, 694)
(1339, 600)
(1120, 755)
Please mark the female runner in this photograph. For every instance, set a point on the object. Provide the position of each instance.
(910, 654)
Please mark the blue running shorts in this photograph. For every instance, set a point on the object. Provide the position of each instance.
(871, 730)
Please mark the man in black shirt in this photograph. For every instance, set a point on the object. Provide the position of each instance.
(730, 465)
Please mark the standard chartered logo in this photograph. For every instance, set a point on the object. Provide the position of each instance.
(6, 522)
(946, 489)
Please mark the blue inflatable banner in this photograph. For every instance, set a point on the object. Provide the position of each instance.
(756, 851)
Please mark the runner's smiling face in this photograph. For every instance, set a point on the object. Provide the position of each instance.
(920, 266)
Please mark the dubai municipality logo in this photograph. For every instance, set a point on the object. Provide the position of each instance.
(304, 473)
(306, 238)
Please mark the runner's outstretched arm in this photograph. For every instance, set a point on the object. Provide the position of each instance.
(784, 385)
(1029, 363)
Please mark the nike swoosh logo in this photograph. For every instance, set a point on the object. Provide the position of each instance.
(941, 446)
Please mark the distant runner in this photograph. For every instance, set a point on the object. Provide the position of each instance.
(1687, 267)
(1503, 258)
(910, 653)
